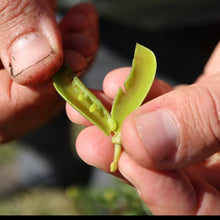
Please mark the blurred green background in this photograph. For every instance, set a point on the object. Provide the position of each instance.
(117, 199)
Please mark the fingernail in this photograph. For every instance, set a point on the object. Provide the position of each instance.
(27, 51)
(159, 134)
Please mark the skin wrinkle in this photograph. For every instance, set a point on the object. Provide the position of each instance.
(214, 115)
(13, 17)
(4, 5)
(15, 9)
(205, 197)
(217, 137)
(182, 149)
(212, 167)
(197, 113)
(169, 180)
(195, 175)
(198, 120)
(191, 119)
(195, 119)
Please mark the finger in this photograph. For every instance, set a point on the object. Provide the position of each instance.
(80, 34)
(24, 108)
(76, 117)
(81, 43)
(171, 192)
(164, 192)
(53, 4)
(177, 129)
(206, 184)
(212, 166)
(208, 199)
(84, 19)
(116, 79)
(80, 30)
(158, 88)
(96, 149)
(76, 60)
(31, 49)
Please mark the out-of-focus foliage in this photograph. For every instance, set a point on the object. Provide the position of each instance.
(120, 199)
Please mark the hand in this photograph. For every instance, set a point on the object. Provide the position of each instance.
(170, 143)
(31, 52)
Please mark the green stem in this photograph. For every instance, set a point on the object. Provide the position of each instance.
(116, 140)
(117, 153)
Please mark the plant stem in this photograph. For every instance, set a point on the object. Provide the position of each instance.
(117, 153)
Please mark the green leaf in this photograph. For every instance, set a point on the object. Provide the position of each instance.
(81, 98)
(136, 86)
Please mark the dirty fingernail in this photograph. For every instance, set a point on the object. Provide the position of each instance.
(28, 50)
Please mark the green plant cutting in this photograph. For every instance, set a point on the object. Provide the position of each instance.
(136, 88)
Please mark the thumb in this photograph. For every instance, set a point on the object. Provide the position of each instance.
(30, 44)
(177, 129)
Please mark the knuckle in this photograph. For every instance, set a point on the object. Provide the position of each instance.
(11, 9)
(214, 113)
(199, 123)
(17, 18)
(3, 6)
(205, 112)
(18, 13)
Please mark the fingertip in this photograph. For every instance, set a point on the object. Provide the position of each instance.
(31, 49)
(74, 23)
(82, 19)
(75, 116)
(85, 8)
(80, 42)
(40, 72)
(76, 60)
(115, 79)
(80, 32)
(95, 148)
